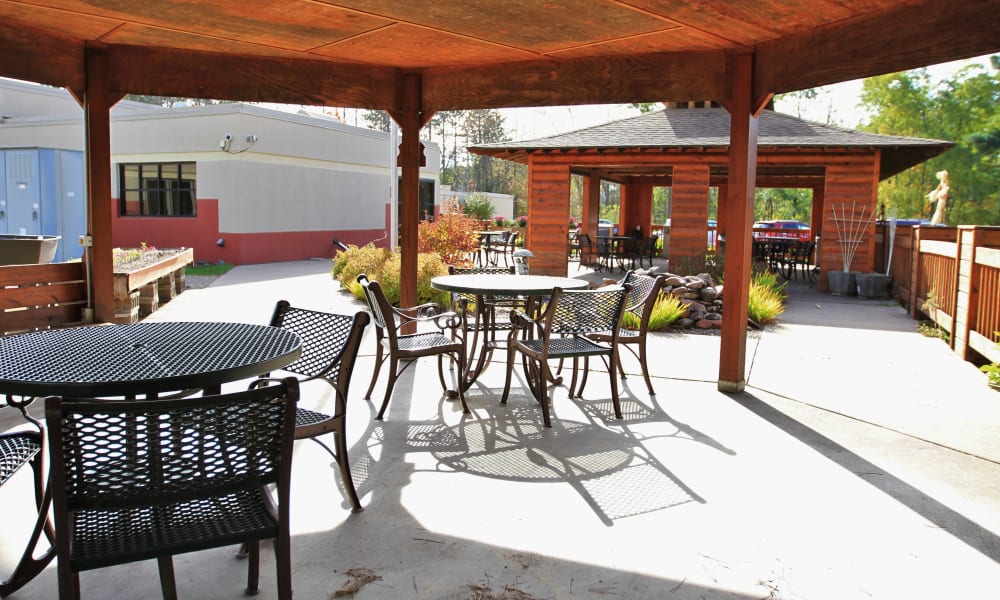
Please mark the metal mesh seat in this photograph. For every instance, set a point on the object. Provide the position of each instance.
(643, 294)
(17, 449)
(330, 344)
(140, 479)
(561, 332)
(394, 345)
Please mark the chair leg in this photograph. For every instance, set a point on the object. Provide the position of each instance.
(378, 367)
(510, 369)
(343, 465)
(614, 385)
(393, 365)
(458, 379)
(253, 568)
(543, 393)
(643, 366)
(283, 564)
(168, 585)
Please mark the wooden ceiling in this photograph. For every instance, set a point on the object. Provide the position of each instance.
(481, 53)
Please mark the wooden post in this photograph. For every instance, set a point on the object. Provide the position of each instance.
(97, 102)
(743, 110)
(591, 204)
(410, 119)
(914, 308)
(966, 294)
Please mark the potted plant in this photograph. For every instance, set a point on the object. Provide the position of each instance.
(851, 227)
(522, 221)
(572, 223)
(992, 370)
(499, 220)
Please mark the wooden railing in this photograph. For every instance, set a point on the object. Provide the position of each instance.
(950, 275)
(41, 296)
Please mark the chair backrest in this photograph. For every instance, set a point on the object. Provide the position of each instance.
(643, 292)
(488, 270)
(512, 240)
(114, 454)
(579, 312)
(330, 342)
(378, 304)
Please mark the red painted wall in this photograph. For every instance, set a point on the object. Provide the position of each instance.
(202, 232)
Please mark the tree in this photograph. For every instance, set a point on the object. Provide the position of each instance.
(963, 110)
(168, 101)
(377, 120)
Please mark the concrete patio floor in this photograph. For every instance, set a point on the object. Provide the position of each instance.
(862, 461)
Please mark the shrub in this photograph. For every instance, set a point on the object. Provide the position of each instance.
(522, 221)
(452, 236)
(383, 266)
(479, 207)
(765, 302)
(666, 310)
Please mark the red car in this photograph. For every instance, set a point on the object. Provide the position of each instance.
(782, 229)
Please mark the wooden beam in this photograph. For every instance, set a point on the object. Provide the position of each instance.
(97, 142)
(904, 37)
(42, 56)
(739, 221)
(408, 117)
(199, 74)
(603, 80)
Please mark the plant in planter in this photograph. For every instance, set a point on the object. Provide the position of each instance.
(522, 221)
(572, 223)
(992, 370)
(499, 221)
(851, 227)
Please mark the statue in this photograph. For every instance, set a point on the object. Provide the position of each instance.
(939, 195)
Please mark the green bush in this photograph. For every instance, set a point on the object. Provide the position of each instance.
(383, 266)
(667, 309)
(766, 302)
(479, 207)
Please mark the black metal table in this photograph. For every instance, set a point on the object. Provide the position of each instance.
(140, 359)
(487, 289)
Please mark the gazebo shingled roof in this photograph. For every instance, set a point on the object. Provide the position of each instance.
(709, 128)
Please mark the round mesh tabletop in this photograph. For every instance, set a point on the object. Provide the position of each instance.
(140, 358)
(517, 285)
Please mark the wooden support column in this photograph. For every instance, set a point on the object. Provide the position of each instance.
(720, 215)
(591, 205)
(689, 215)
(638, 208)
(548, 216)
(411, 118)
(97, 103)
(743, 111)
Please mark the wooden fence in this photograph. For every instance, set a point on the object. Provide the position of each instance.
(950, 275)
(41, 296)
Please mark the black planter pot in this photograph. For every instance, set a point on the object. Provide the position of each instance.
(873, 285)
(843, 283)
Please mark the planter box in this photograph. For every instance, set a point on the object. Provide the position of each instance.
(128, 285)
(27, 249)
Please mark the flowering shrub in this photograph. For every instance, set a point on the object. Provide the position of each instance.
(522, 221)
(452, 236)
(572, 223)
(499, 220)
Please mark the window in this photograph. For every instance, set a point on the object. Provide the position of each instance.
(157, 189)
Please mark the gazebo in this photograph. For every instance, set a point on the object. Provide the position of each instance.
(687, 149)
(413, 59)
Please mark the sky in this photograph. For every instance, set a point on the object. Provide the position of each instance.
(839, 102)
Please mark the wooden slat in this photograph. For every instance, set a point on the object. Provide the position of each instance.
(947, 249)
(40, 318)
(32, 274)
(40, 295)
(988, 257)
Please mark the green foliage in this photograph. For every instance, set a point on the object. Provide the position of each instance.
(666, 311)
(992, 371)
(211, 270)
(783, 203)
(962, 110)
(479, 207)
(377, 120)
(383, 266)
(932, 329)
(765, 302)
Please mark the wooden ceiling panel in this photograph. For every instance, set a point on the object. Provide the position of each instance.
(286, 24)
(80, 26)
(536, 26)
(141, 35)
(748, 22)
(672, 40)
(424, 47)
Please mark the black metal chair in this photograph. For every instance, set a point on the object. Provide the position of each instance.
(587, 253)
(504, 249)
(135, 480)
(395, 346)
(560, 333)
(643, 294)
(330, 344)
(19, 448)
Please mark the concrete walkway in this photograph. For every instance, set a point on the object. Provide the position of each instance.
(863, 461)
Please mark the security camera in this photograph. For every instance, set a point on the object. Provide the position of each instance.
(228, 137)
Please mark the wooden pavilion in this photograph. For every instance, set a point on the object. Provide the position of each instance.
(415, 58)
(687, 149)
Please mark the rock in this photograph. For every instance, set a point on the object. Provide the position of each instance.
(703, 324)
(713, 316)
(693, 283)
(686, 293)
(707, 278)
(718, 291)
(707, 294)
(674, 281)
(685, 323)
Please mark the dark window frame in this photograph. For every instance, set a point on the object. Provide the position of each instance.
(156, 196)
